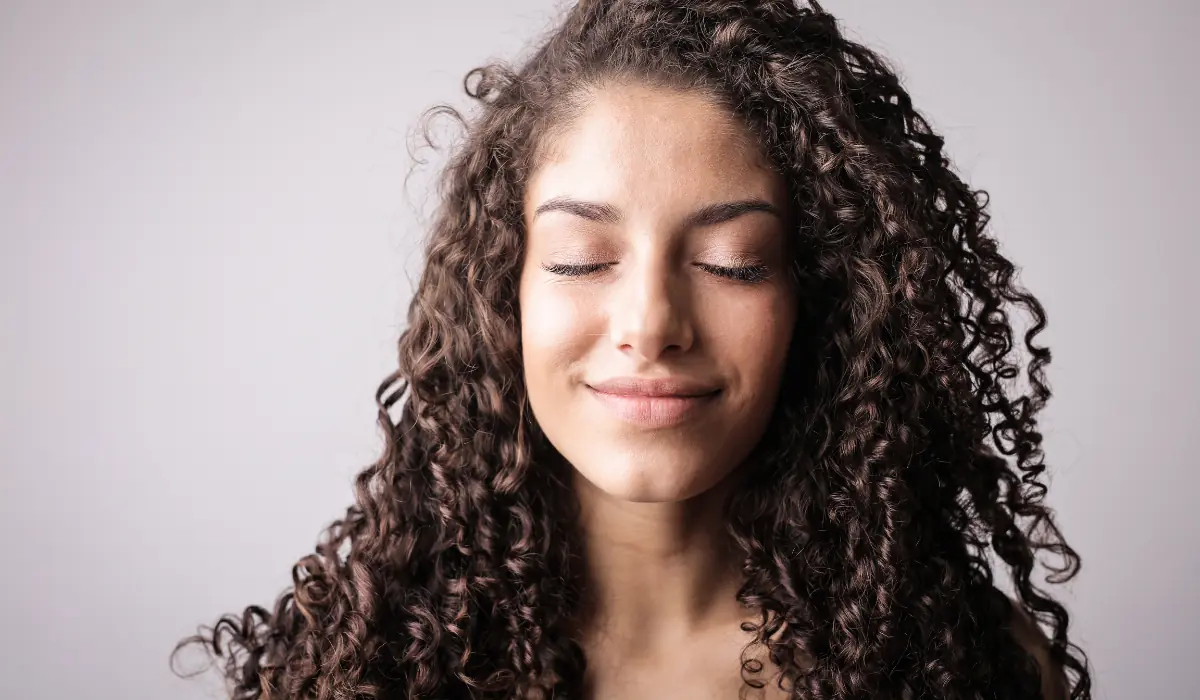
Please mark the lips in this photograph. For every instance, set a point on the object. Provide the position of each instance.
(648, 387)
(654, 411)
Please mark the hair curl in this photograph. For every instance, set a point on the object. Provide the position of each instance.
(899, 453)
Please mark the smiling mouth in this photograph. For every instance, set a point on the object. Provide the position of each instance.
(654, 411)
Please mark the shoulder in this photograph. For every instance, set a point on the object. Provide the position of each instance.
(1034, 640)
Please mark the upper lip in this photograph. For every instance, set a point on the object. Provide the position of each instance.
(668, 386)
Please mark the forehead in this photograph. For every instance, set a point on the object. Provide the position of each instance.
(651, 146)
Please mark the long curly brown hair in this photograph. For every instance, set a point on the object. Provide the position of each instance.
(900, 451)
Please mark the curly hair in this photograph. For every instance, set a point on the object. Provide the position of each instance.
(900, 451)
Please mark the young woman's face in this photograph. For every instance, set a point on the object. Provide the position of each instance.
(629, 244)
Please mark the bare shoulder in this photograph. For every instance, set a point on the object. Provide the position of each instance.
(1031, 636)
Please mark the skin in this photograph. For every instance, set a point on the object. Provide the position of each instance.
(662, 619)
(659, 561)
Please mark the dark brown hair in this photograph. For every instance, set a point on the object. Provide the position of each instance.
(900, 457)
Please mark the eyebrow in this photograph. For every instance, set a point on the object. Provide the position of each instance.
(606, 213)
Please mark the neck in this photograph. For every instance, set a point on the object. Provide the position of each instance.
(658, 574)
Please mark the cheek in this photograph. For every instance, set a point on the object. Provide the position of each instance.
(555, 329)
(774, 326)
(777, 329)
(767, 321)
(755, 340)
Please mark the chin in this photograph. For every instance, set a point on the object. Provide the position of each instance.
(647, 483)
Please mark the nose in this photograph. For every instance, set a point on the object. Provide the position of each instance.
(652, 313)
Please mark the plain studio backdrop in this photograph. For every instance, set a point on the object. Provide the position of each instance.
(209, 248)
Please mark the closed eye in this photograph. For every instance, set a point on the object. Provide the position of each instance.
(744, 273)
(574, 270)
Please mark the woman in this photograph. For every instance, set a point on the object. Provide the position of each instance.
(706, 398)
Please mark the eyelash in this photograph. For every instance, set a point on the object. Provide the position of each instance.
(750, 274)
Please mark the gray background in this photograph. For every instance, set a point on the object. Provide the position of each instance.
(207, 251)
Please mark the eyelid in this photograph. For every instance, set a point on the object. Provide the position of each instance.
(734, 258)
(579, 268)
(746, 272)
(742, 259)
(751, 273)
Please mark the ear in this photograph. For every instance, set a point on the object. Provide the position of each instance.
(1030, 636)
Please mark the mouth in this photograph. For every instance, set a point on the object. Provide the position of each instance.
(655, 411)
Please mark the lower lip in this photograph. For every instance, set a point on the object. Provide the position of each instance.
(653, 411)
